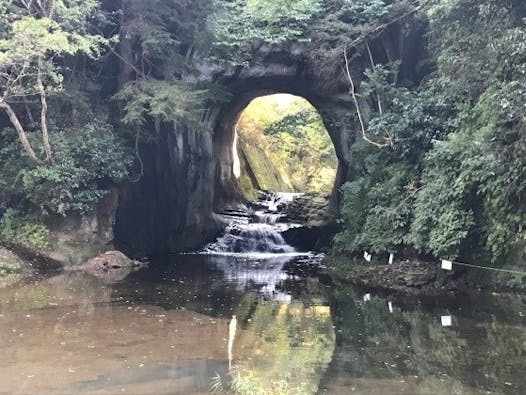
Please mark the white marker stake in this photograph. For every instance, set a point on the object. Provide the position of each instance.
(366, 297)
(391, 259)
(446, 320)
(390, 304)
(447, 265)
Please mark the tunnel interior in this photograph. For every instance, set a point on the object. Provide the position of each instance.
(229, 133)
(281, 145)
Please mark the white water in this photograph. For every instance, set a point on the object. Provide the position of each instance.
(252, 237)
(276, 199)
(255, 231)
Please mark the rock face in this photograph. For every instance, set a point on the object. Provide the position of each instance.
(263, 174)
(73, 239)
(319, 227)
(188, 172)
(169, 208)
(312, 209)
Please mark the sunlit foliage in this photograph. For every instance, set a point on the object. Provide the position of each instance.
(293, 137)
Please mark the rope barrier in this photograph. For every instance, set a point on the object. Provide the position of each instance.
(447, 265)
(489, 268)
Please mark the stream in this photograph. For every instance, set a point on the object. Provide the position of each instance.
(253, 315)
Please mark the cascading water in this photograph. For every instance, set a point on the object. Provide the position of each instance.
(252, 238)
(256, 231)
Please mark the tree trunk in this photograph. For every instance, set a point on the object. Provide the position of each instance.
(43, 113)
(20, 130)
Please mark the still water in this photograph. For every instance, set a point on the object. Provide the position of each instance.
(170, 329)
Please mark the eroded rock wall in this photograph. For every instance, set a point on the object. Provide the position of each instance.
(169, 209)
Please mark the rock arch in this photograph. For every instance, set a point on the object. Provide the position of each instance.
(188, 172)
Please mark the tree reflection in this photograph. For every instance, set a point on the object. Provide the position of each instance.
(287, 348)
(479, 353)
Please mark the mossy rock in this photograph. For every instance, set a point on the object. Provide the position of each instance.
(262, 173)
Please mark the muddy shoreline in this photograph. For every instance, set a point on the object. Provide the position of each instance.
(416, 278)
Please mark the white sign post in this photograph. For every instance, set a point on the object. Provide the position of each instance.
(446, 320)
(447, 265)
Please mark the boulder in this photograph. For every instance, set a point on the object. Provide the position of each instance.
(111, 260)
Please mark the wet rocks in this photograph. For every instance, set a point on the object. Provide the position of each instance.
(310, 238)
(111, 260)
(311, 208)
(110, 267)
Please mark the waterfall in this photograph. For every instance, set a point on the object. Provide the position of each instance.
(255, 231)
(252, 237)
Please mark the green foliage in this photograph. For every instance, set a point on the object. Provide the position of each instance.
(87, 161)
(365, 11)
(23, 229)
(33, 37)
(166, 33)
(378, 205)
(8, 224)
(33, 234)
(377, 210)
(452, 184)
(175, 101)
(238, 24)
(290, 132)
(344, 22)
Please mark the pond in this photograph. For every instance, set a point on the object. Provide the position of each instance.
(255, 324)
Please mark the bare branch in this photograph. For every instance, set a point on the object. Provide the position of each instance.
(357, 104)
(373, 65)
(26, 145)
(43, 112)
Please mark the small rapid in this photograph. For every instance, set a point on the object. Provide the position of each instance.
(256, 229)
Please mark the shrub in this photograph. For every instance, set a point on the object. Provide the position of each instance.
(86, 161)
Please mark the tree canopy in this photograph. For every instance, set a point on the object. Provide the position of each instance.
(438, 157)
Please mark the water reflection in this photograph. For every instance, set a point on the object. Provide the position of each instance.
(265, 275)
(158, 331)
(293, 347)
(409, 351)
(189, 324)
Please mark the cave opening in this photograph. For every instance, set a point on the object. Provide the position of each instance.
(281, 145)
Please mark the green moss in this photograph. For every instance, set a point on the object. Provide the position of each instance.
(8, 267)
(267, 175)
(23, 229)
(247, 188)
